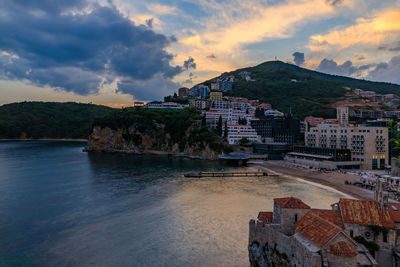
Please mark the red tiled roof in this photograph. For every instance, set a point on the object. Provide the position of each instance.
(291, 203)
(364, 212)
(332, 216)
(316, 229)
(265, 216)
(343, 249)
(394, 214)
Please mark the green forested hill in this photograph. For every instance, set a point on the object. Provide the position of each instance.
(162, 128)
(49, 119)
(308, 96)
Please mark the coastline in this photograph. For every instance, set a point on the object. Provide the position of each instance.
(154, 152)
(332, 180)
(45, 139)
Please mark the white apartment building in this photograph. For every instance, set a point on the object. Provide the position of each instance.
(236, 132)
(243, 105)
(200, 104)
(342, 115)
(220, 104)
(228, 115)
(368, 145)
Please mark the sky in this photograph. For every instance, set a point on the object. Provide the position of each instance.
(118, 51)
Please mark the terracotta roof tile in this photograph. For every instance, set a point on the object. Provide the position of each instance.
(394, 212)
(364, 212)
(332, 216)
(343, 249)
(316, 229)
(265, 216)
(291, 203)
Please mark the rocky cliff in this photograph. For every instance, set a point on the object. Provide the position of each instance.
(139, 131)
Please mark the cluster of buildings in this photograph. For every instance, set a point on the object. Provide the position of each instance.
(236, 114)
(337, 144)
(164, 105)
(239, 115)
(325, 143)
(374, 114)
(389, 100)
(352, 233)
(333, 143)
(224, 82)
(200, 91)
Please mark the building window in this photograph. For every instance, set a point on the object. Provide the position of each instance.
(295, 218)
(384, 236)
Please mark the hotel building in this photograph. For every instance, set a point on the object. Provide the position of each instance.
(368, 145)
(236, 132)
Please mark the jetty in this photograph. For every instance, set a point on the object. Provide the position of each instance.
(242, 159)
(226, 174)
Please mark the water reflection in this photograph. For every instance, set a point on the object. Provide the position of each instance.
(64, 207)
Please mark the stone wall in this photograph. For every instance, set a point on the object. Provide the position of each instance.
(289, 218)
(395, 167)
(269, 247)
(384, 256)
(336, 261)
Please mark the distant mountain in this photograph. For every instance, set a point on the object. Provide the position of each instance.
(304, 92)
(35, 120)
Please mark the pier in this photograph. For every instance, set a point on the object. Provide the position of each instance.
(226, 174)
(242, 159)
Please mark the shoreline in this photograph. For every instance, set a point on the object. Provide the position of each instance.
(153, 152)
(320, 185)
(45, 139)
(332, 181)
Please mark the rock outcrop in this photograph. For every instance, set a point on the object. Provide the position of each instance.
(132, 140)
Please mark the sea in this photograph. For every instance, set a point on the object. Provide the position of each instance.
(60, 206)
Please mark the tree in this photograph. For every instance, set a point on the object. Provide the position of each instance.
(203, 121)
(175, 95)
(244, 141)
(394, 135)
(226, 131)
(219, 126)
(242, 121)
(259, 113)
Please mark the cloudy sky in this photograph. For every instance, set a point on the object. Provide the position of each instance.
(113, 52)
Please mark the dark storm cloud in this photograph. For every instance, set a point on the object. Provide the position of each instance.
(189, 64)
(334, 2)
(383, 72)
(298, 58)
(331, 67)
(387, 72)
(58, 43)
(140, 88)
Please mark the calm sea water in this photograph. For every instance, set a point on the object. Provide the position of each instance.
(62, 207)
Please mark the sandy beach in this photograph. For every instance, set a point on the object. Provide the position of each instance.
(335, 180)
